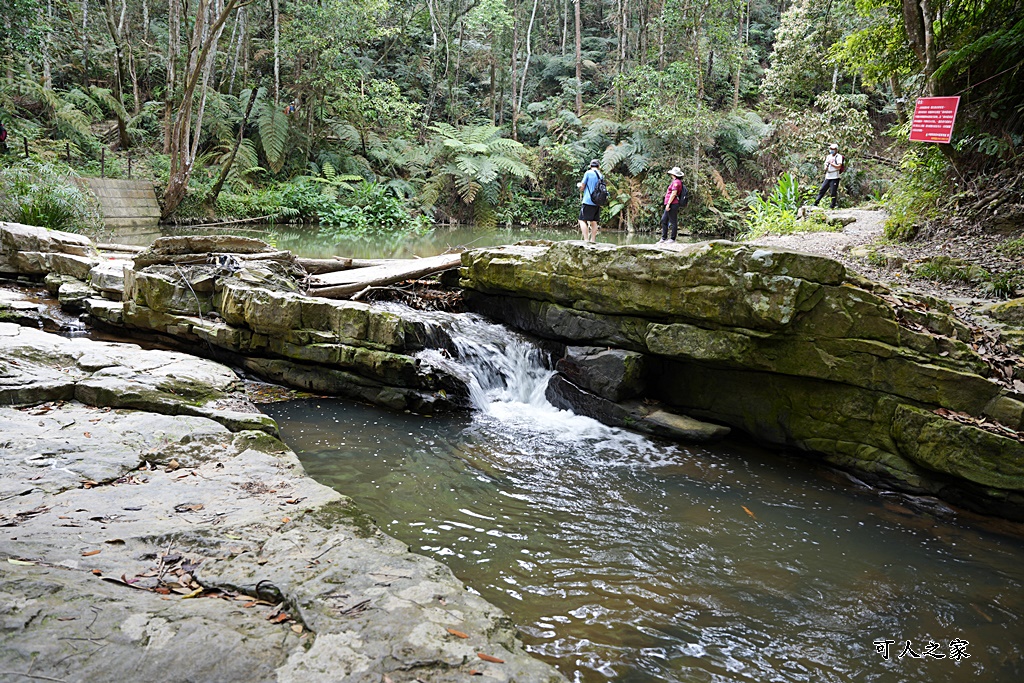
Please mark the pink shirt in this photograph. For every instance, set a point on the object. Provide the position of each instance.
(676, 185)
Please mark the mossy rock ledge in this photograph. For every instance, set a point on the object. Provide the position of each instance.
(788, 347)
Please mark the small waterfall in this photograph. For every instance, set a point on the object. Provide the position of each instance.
(498, 365)
(507, 375)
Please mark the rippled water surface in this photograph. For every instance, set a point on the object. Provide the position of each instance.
(625, 559)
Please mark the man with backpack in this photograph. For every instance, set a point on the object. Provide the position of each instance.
(594, 194)
(675, 197)
(835, 164)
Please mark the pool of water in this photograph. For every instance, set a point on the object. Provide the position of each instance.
(629, 559)
(306, 242)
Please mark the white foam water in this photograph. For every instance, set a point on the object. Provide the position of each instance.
(507, 375)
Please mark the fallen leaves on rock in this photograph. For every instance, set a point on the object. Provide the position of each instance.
(457, 634)
(981, 423)
(489, 658)
(9, 519)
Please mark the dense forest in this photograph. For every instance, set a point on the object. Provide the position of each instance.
(382, 115)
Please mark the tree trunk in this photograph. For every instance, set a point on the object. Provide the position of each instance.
(277, 51)
(897, 94)
(209, 24)
(85, 43)
(565, 24)
(579, 62)
(238, 143)
(526, 69)
(116, 30)
(515, 68)
(47, 39)
(918, 18)
(173, 51)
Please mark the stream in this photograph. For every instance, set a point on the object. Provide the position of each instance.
(625, 558)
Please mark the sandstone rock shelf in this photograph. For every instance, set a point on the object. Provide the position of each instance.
(154, 528)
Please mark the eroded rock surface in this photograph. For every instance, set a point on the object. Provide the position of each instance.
(786, 346)
(183, 541)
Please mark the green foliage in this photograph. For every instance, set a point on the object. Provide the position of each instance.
(45, 195)
(800, 65)
(333, 182)
(801, 137)
(1012, 248)
(949, 269)
(273, 125)
(471, 164)
(370, 210)
(777, 213)
(917, 192)
(1004, 285)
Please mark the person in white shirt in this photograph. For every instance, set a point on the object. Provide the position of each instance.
(833, 168)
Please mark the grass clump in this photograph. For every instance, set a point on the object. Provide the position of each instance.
(45, 194)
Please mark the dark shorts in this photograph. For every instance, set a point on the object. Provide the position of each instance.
(589, 212)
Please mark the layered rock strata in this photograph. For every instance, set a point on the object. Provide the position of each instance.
(154, 528)
(788, 347)
(239, 300)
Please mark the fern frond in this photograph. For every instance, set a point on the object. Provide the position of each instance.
(467, 188)
(273, 132)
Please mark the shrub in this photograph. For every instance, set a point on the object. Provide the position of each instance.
(916, 193)
(45, 194)
(777, 213)
(370, 210)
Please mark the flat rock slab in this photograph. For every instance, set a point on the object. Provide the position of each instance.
(140, 546)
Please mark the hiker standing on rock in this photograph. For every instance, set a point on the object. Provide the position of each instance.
(592, 201)
(835, 164)
(675, 197)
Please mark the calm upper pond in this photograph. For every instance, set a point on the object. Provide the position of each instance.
(305, 241)
(623, 558)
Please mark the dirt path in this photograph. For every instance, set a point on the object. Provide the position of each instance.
(893, 263)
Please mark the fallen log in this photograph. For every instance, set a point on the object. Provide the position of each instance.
(342, 284)
(321, 266)
(122, 248)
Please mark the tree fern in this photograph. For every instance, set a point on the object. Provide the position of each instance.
(272, 124)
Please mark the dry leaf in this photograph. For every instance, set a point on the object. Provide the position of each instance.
(278, 618)
(297, 628)
(747, 510)
(87, 435)
(97, 572)
(457, 634)
(171, 466)
(251, 603)
(474, 672)
(490, 658)
(286, 519)
(192, 594)
(89, 553)
(23, 563)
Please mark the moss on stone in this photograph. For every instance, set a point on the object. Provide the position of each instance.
(346, 513)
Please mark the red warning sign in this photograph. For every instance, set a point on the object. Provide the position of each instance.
(933, 119)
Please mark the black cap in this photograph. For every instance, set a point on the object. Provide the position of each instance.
(594, 163)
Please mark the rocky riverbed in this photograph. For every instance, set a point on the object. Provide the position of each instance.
(155, 528)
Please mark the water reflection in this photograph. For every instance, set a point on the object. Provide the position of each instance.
(622, 558)
(305, 241)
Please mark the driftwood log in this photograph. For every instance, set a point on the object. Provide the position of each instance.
(319, 266)
(343, 284)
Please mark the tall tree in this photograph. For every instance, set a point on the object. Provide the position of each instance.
(208, 24)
